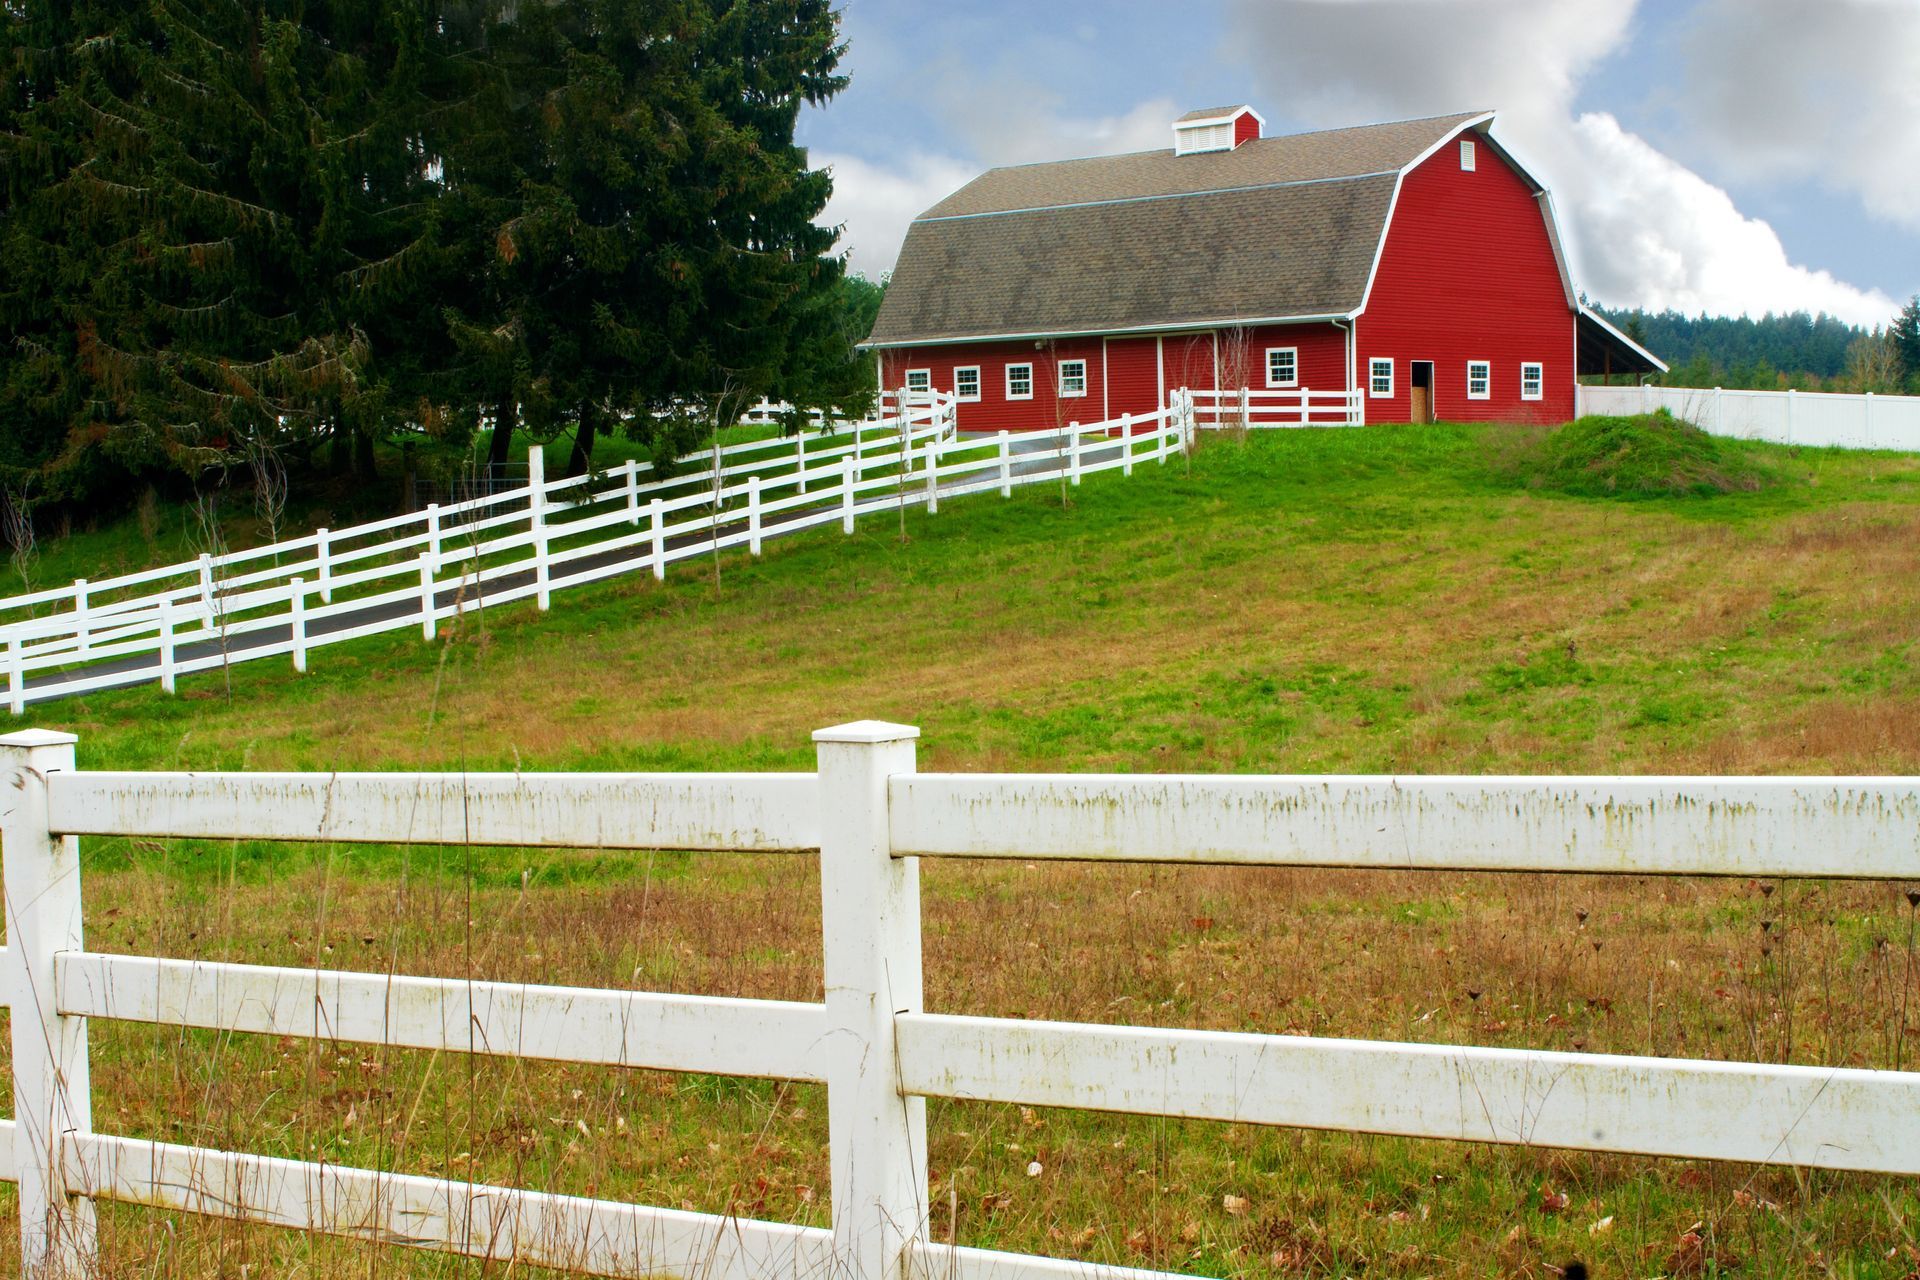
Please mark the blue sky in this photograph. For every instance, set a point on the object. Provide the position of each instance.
(1711, 155)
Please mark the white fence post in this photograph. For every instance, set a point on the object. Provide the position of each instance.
(16, 678)
(206, 585)
(1790, 400)
(427, 626)
(433, 532)
(1719, 411)
(753, 514)
(299, 625)
(633, 491)
(859, 467)
(1126, 444)
(1073, 451)
(870, 912)
(323, 564)
(1866, 425)
(82, 619)
(537, 524)
(846, 495)
(51, 1093)
(1006, 466)
(933, 475)
(166, 645)
(657, 536)
(800, 459)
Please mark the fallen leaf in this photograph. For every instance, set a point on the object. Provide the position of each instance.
(1604, 1225)
(1553, 1201)
(1235, 1205)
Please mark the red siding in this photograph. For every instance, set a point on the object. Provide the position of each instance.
(1321, 356)
(993, 411)
(1245, 129)
(1469, 274)
(1133, 375)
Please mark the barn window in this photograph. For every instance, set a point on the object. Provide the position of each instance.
(1533, 381)
(920, 380)
(1479, 379)
(1019, 382)
(1466, 155)
(1283, 366)
(1073, 377)
(1380, 379)
(966, 382)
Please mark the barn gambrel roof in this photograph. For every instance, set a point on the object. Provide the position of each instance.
(1277, 229)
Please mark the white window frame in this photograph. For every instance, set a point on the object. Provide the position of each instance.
(1293, 359)
(1060, 371)
(1466, 155)
(1536, 371)
(926, 381)
(973, 369)
(1027, 369)
(1373, 378)
(1486, 379)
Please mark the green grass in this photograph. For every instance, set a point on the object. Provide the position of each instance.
(1651, 455)
(1393, 599)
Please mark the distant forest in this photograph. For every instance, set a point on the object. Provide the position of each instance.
(1794, 349)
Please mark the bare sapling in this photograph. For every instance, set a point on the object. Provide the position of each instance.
(16, 513)
(269, 475)
(208, 540)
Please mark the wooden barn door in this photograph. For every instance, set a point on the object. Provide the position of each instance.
(1420, 393)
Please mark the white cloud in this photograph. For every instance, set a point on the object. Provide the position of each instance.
(1780, 93)
(1642, 229)
(875, 202)
(1666, 237)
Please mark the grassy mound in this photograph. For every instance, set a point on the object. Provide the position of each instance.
(1645, 456)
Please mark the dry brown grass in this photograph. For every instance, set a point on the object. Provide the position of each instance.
(1405, 619)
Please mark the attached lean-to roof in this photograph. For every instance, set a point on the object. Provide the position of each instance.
(1279, 228)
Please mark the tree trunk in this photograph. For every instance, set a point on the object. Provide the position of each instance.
(363, 467)
(339, 448)
(505, 419)
(582, 457)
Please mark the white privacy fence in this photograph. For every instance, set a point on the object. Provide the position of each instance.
(1247, 407)
(871, 1041)
(1816, 418)
(425, 567)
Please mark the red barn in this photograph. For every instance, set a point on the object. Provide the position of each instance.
(1413, 268)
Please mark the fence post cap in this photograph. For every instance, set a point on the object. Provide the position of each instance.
(860, 731)
(27, 739)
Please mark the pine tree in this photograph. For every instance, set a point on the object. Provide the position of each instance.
(1905, 333)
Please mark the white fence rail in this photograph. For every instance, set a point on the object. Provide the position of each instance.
(1247, 407)
(872, 817)
(420, 569)
(1816, 418)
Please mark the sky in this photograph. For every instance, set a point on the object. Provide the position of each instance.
(1719, 156)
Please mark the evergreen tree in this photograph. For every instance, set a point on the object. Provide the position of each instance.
(654, 248)
(1905, 334)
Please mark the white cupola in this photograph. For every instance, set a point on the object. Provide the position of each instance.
(1215, 129)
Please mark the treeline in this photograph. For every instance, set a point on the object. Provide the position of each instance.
(267, 236)
(1791, 349)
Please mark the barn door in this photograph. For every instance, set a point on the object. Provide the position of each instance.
(1421, 392)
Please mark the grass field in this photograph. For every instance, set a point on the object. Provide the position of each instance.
(1381, 600)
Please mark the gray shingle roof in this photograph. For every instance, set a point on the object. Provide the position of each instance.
(1279, 227)
(1213, 113)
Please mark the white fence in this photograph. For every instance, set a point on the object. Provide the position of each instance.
(1247, 407)
(420, 569)
(872, 817)
(1815, 418)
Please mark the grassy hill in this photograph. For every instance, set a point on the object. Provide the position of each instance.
(1394, 599)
